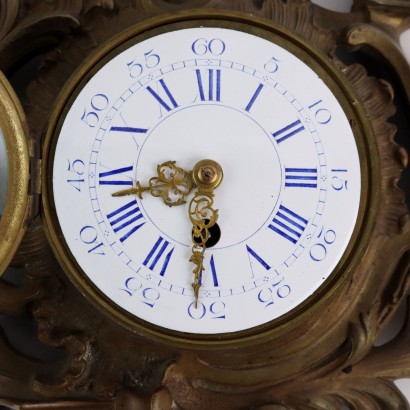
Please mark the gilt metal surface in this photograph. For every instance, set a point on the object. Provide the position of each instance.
(207, 176)
(172, 184)
(325, 360)
(13, 128)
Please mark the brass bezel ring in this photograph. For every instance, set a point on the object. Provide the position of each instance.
(13, 126)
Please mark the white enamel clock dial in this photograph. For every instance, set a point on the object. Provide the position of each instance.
(287, 205)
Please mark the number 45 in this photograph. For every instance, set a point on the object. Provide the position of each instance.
(76, 171)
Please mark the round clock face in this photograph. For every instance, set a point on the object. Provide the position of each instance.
(288, 203)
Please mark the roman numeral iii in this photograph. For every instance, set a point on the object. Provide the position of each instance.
(301, 177)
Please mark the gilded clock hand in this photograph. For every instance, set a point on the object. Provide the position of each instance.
(207, 175)
(138, 190)
(172, 184)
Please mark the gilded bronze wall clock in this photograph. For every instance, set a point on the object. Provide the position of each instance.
(208, 193)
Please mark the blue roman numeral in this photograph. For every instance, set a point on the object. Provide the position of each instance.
(168, 105)
(126, 220)
(107, 178)
(301, 177)
(214, 85)
(257, 258)
(130, 130)
(156, 253)
(213, 271)
(288, 131)
(254, 97)
(288, 224)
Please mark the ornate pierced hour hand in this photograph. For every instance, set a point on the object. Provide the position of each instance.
(172, 184)
(207, 175)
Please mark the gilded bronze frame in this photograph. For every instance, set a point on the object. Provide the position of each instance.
(13, 220)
